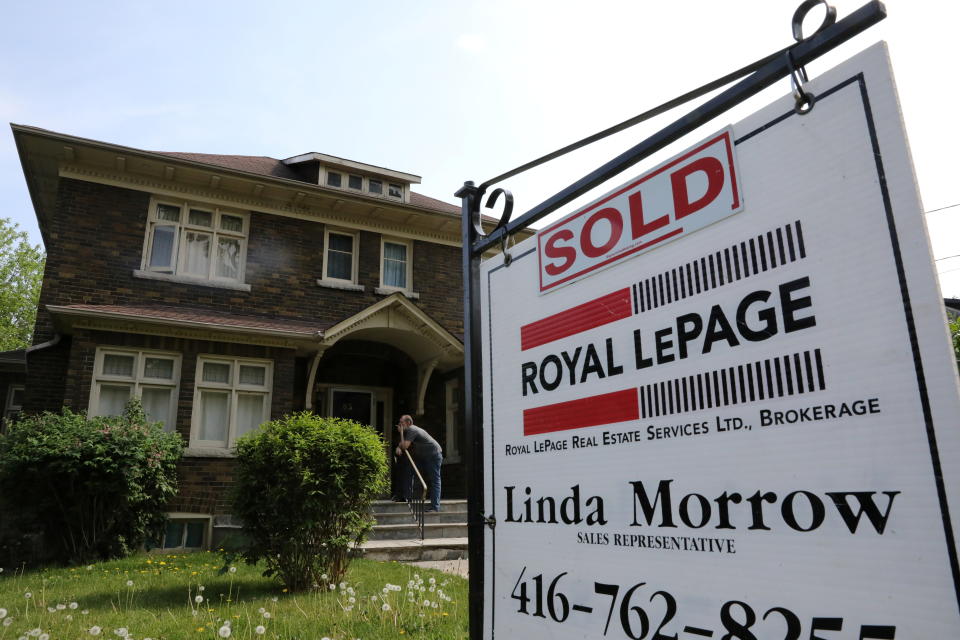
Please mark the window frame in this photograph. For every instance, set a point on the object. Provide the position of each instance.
(452, 394)
(187, 518)
(11, 410)
(177, 270)
(384, 240)
(138, 380)
(355, 257)
(235, 389)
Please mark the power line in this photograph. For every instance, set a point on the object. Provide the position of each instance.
(949, 206)
(947, 258)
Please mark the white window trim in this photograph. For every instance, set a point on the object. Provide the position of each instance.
(325, 171)
(451, 388)
(198, 446)
(355, 262)
(384, 288)
(205, 518)
(137, 380)
(176, 272)
(10, 409)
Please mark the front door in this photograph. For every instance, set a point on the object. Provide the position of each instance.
(352, 405)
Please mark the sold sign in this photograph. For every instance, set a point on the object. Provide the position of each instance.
(685, 194)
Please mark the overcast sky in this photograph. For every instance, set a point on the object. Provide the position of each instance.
(443, 89)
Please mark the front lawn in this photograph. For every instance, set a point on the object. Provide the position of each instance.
(184, 596)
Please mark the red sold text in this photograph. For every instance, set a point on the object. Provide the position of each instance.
(681, 196)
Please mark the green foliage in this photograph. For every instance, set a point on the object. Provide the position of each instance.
(21, 273)
(304, 489)
(955, 337)
(96, 487)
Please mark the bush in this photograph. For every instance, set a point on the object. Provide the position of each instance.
(95, 487)
(304, 489)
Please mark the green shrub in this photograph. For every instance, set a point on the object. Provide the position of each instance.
(95, 487)
(304, 488)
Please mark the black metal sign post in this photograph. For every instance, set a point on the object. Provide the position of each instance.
(762, 74)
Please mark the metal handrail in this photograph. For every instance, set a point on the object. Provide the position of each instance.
(417, 505)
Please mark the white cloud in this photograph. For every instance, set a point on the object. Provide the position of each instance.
(472, 42)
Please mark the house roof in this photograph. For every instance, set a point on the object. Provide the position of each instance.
(194, 318)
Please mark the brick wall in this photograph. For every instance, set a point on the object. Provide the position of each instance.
(96, 242)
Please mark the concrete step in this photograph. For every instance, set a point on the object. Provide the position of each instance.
(433, 530)
(430, 549)
(388, 506)
(406, 517)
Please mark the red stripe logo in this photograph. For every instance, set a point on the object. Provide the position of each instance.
(607, 408)
(596, 313)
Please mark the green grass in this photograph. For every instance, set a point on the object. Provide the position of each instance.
(154, 596)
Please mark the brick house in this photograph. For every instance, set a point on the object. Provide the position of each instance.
(228, 290)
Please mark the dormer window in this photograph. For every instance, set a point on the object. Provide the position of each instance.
(376, 186)
(334, 179)
(395, 191)
(355, 182)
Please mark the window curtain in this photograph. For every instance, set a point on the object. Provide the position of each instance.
(214, 415)
(197, 260)
(395, 265)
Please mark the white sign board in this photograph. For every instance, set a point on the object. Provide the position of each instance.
(750, 431)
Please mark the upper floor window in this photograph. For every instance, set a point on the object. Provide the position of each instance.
(376, 186)
(355, 182)
(196, 241)
(232, 398)
(395, 266)
(340, 256)
(395, 190)
(119, 375)
(334, 179)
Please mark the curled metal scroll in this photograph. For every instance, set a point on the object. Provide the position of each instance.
(798, 16)
(504, 218)
(803, 99)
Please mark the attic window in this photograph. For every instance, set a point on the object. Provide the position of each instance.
(334, 179)
(355, 182)
(395, 191)
(376, 186)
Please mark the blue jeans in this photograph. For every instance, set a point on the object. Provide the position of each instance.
(430, 470)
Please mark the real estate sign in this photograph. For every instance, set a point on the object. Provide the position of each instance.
(719, 400)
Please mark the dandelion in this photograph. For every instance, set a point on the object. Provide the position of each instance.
(201, 588)
(198, 599)
(343, 585)
(260, 630)
(224, 631)
(273, 599)
(323, 576)
(43, 636)
(432, 581)
(129, 583)
(68, 617)
(51, 609)
(28, 595)
(373, 598)
(3, 614)
(94, 630)
(85, 612)
(351, 600)
(266, 615)
(261, 610)
(35, 632)
(332, 587)
(385, 607)
(7, 622)
(73, 605)
(426, 603)
(233, 569)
